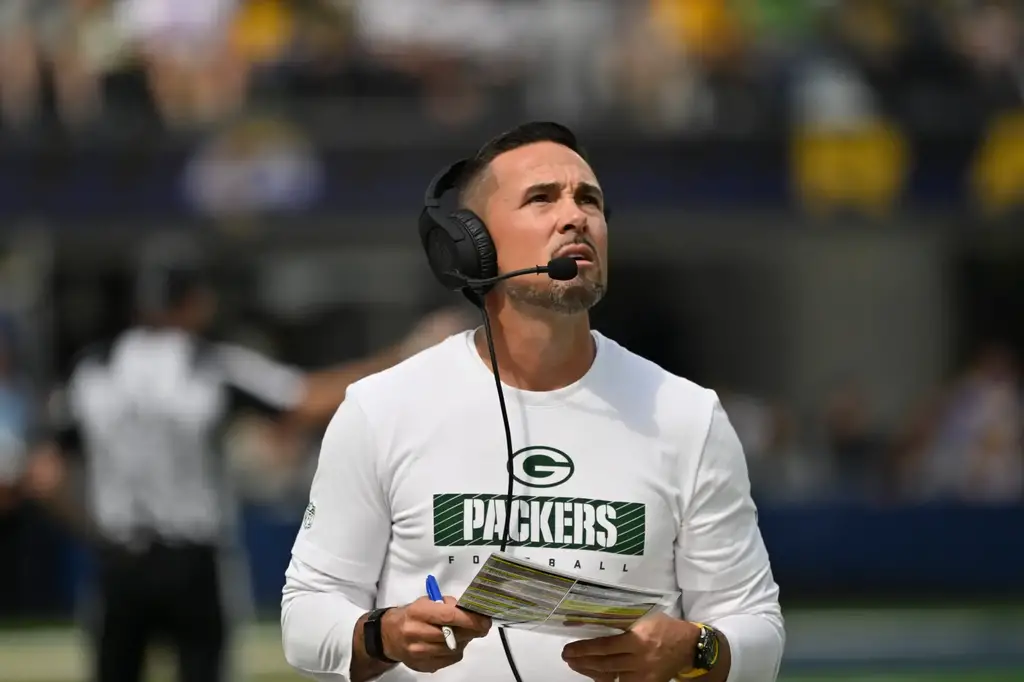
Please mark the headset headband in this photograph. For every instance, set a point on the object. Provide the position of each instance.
(443, 182)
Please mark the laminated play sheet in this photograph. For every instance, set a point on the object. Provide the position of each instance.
(523, 595)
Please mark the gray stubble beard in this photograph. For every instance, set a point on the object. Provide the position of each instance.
(565, 298)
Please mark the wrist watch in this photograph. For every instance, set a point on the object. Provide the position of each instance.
(706, 655)
(373, 638)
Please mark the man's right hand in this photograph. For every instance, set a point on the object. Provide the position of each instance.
(412, 634)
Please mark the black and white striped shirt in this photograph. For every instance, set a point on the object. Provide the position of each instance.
(147, 412)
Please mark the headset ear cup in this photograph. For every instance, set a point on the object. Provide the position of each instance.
(482, 261)
(443, 257)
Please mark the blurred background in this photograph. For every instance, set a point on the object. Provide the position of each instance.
(817, 213)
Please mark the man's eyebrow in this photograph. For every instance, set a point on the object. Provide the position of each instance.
(591, 189)
(543, 188)
(585, 188)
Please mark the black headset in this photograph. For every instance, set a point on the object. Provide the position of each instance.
(457, 244)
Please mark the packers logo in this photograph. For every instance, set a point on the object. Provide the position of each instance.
(539, 466)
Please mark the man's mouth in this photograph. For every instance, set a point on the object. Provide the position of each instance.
(581, 253)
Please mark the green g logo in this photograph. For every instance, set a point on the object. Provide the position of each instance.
(539, 466)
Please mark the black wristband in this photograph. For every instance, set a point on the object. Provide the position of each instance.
(373, 636)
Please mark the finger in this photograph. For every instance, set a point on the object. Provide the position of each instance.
(596, 675)
(448, 614)
(451, 615)
(599, 646)
(418, 631)
(431, 664)
(471, 622)
(462, 636)
(425, 650)
(616, 663)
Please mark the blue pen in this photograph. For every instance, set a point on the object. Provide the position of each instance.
(434, 594)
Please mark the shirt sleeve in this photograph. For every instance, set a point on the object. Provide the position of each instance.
(258, 380)
(722, 564)
(339, 550)
(719, 544)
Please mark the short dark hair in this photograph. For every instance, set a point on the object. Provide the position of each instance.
(520, 136)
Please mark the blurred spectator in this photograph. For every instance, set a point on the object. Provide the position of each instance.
(651, 75)
(44, 36)
(460, 50)
(976, 453)
(792, 471)
(857, 450)
(15, 402)
(450, 46)
(257, 165)
(195, 74)
(990, 37)
(14, 424)
(782, 468)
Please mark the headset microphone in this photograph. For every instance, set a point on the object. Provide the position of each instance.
(561, 269)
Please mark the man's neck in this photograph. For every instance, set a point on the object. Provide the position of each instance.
(538, 351)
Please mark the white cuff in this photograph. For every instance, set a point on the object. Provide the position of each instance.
(756, 643)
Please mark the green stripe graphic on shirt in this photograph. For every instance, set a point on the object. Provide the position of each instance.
(544, 522)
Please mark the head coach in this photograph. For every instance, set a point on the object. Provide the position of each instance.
(417, 465)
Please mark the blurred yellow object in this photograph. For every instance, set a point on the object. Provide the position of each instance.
(997, 177)
(861, 169)
(705, 28)
(263, 29)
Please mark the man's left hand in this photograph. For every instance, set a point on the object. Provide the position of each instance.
(655, 650)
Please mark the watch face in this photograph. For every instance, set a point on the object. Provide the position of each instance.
(707, 649)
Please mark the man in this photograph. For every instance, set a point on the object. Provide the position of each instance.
(145, 412)
(409, 440)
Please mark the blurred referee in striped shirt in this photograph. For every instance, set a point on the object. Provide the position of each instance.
(145, 413)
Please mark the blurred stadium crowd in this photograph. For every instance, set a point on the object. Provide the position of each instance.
(664, 62)
(667, 65)
(963, 443)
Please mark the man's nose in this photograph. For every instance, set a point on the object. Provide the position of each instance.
(573, 219)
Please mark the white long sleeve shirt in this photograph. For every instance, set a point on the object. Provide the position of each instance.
(630, 475)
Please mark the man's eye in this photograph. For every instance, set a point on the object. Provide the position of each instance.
(537, 198)
(593, 201)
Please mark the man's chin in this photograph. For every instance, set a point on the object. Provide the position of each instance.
(564, 298)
